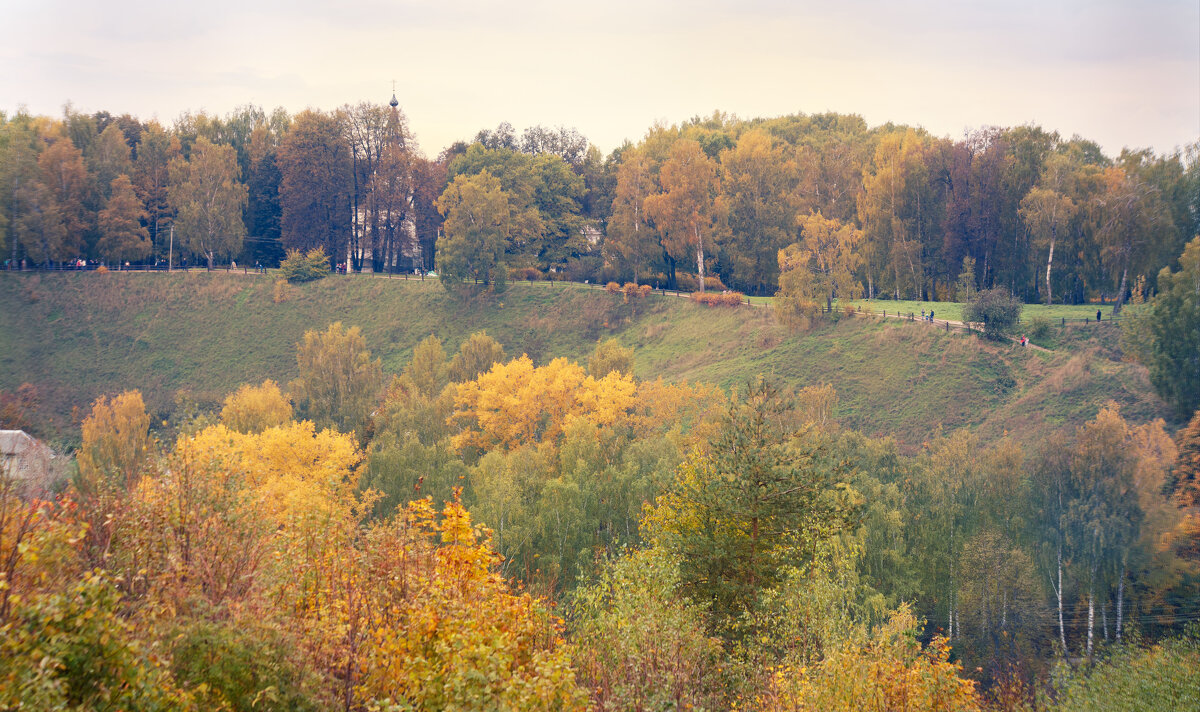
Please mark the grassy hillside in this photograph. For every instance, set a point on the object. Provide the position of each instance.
(77, 336)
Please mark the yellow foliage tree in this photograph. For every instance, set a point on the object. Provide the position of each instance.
(116, 440)
(253, 409)
(449, 633)
(516, 404)
(116, 451)
(339, 384)
(887, 670)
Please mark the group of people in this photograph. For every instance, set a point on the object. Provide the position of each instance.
(928, 318)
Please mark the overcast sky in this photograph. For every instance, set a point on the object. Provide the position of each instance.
(1120, 72)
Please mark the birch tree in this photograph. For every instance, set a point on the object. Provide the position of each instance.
(689, 211)
(208, 197)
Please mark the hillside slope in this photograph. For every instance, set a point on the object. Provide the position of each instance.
(77, 336)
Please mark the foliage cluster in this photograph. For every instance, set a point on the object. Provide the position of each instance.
(301, 267)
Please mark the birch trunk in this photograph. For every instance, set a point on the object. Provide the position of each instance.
(1120, 600)
(699, 257)
(1049, 261)
(1091, 620)
(1058, 593)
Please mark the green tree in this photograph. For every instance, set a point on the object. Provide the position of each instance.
(306, 267)
(208, 197)
(639, 642)
(478, 224)
(339, 384)
(1174, 325)
(996, 310)
(427, 370)
(122, 236)
(545, 202)
(741, 514)
(964, 288)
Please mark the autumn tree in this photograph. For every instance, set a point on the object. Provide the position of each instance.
(689, 211)
(879, 671)
(820, 267)
(54, 216)
(1174, 323)
(253, 409)
(122, 236)
(109, 157)
(476, 355)
(610, 356)
(151, 177)
(41, 229)
(759, 180)
(477, 212)
(629, 236)
(1048, 209)
(315, 188)
(893, 224)
(339, 384)
(516, 404)
(116, 451)
(208, 198)
(1131, 214)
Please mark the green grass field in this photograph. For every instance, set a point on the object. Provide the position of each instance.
(78, 336)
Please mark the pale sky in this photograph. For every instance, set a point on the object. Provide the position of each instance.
(1120, 72)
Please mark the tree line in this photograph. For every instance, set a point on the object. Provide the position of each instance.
(847, 209)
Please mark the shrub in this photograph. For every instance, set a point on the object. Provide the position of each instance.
(995, 309)
(645, 290)
(282, 293)
(301, 267)
(685, 283)
(632, 290)
(530, 274)
(612, 288)
(714, 283)
(101, 270)
(723, 299)
(1039, 327)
